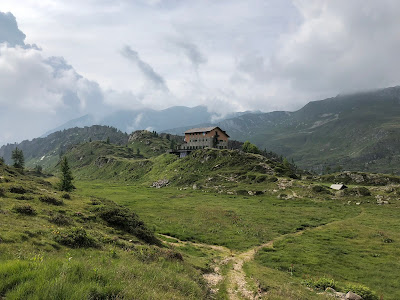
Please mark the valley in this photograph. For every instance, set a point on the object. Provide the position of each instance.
(224, 224)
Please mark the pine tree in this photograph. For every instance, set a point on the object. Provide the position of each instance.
(66, 176)
(18, 157)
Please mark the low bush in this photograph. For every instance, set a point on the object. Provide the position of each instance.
(261, 178)
(126, 220)
(24, 197)
(66, 196)
(320, 189)
(75, 238)
(149, 254)
(320, 283)
(51, 200)
(18, 190)
(25, 209)
(242, 192)
(2, 192)
(60, 219)
(357, 191)
(272, 179)
(365, 292)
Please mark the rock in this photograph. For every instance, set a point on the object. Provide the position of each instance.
(352, 296)
(194, 186)
(160, 183)
(330, 290)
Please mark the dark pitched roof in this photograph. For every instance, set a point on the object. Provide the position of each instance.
(204, 129)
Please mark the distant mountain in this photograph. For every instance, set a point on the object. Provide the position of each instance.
(46, 151)
(158, 120)
(355, 132)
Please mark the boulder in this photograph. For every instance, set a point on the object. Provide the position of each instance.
(352, 296)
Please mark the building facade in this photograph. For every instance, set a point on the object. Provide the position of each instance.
(207, 137)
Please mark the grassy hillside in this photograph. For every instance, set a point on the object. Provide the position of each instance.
(46, 151)
(67, 246)
(358, 132)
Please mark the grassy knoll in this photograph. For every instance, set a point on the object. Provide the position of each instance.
(237, 222)
(67, 246)
(358, 251)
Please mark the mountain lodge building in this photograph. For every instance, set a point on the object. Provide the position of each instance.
(201, 138)
(207, 137)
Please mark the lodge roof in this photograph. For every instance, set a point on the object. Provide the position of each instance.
(204, 129)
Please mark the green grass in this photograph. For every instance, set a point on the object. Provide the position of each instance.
(237, 222)
(361, 250)
(94, 274)
(85, 248)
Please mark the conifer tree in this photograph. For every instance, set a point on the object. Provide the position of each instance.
(18, 157)
(66, 176)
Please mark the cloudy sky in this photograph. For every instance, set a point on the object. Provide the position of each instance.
(63, 59)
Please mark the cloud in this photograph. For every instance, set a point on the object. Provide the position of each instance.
(340, 46)
(192, 52)
(10, 33)
(39, 93)
(147, 70)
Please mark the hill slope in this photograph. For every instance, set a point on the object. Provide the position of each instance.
(46, 151)
(357, 132)
(66, 246)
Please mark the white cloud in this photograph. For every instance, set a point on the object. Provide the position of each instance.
(228, 55)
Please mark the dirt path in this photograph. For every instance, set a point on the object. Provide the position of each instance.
(237, 281)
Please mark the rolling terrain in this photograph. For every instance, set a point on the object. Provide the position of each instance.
(357, 132)
(217, 224)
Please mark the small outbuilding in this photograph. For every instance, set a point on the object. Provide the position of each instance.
(338, 186)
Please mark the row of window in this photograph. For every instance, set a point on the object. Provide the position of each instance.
(203, 140)
(201, 147)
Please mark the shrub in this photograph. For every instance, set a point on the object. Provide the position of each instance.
(320, 283)
(242, 192)
(17, 190)
(357, 191)
(75, 238)
(321, 189)
(60, 219)
(272, 179)
(363, 191)
(148, 254)
(261, 178)
(2, 192)
(25, 209)
(66, 196)
(128, 221)
(51, 200)
(361, 290)
(23, 197)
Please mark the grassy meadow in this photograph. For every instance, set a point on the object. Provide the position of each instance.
(236, 222)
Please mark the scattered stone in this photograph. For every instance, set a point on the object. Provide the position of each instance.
(358, 203)
(160, 183)
(352, 296)
(380, 200)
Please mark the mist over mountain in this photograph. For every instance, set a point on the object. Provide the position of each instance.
(150, 119)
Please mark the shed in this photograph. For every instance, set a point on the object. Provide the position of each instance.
(338, 186)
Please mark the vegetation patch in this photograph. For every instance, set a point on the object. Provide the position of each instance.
(24, 197)
(51, 200)
(24, 209)
(321, 189)
(60, 219)
(75, 238)
(18, 190)
(126, 220)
